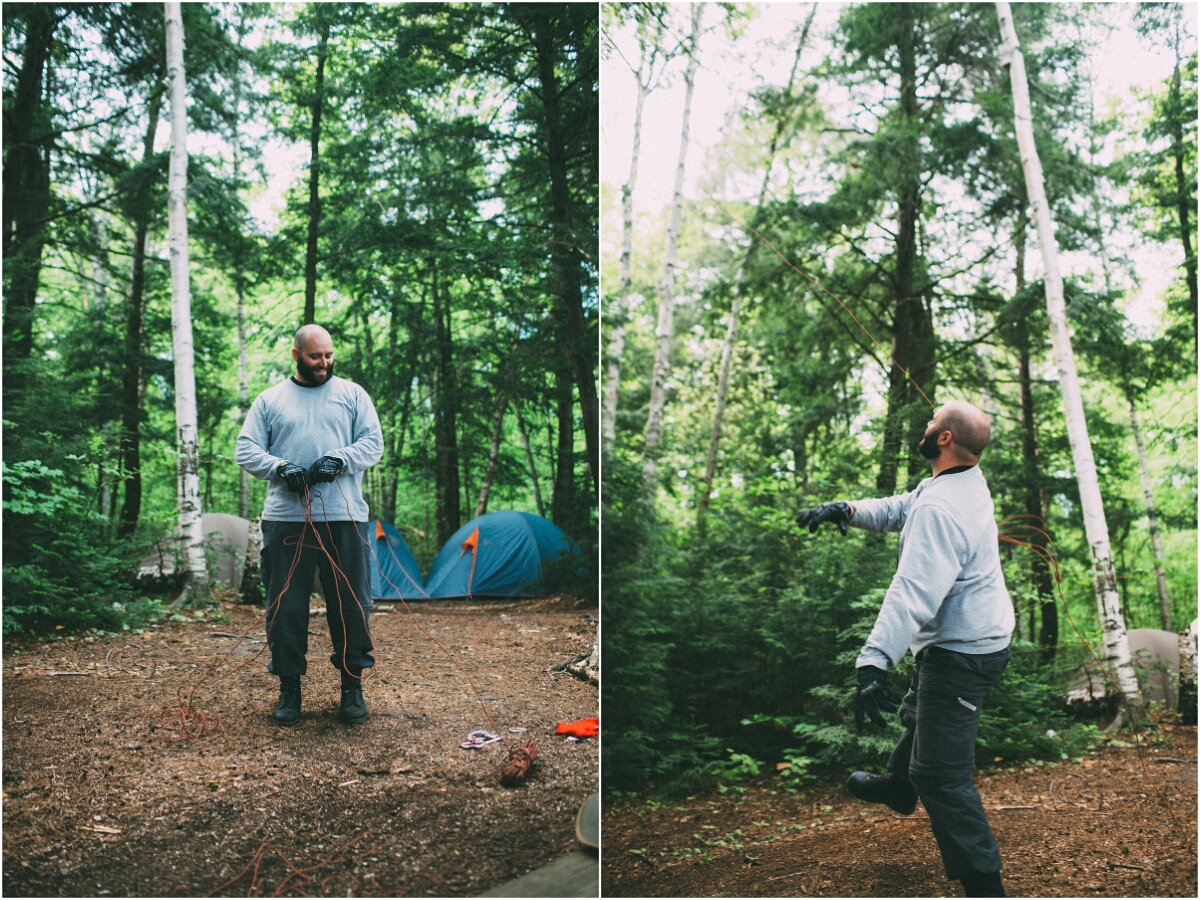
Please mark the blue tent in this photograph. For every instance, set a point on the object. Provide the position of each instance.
(396, 565)
(497, 555)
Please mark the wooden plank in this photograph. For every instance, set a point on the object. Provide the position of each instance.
(577, 875)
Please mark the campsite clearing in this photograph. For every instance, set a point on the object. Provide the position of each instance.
(1086, 829)
(93, 805)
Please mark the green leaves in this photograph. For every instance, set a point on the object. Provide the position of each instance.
(32, 488)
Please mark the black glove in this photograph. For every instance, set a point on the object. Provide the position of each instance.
(873, 696)
(838, 513)
(325, 469)
(295, 476)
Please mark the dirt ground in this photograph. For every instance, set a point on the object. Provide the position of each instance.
(96, 805)
(1089, 829)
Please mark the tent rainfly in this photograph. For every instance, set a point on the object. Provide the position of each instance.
(395, 572)
(499, 554)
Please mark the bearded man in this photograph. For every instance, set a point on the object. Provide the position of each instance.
(948, 604)
(311, 438)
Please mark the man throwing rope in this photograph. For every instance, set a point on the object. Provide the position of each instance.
(949, 605)
(311, 438)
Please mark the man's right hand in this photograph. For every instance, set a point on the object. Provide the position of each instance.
(838, 513)
(295, 476)
(872, 696)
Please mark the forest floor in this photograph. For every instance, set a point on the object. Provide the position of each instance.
(95, 804)
(1088, 829)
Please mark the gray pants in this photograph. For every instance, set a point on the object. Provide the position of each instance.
(936, 752)
(287, 574)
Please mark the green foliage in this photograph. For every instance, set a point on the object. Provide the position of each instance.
(1019, 718)
(60, 565)
(738, 766)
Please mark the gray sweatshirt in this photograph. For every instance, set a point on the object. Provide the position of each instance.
(948, 590)
(302, 424)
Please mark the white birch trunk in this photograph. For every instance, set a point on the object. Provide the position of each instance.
(616, 344)
(181, 320)
(714, 440)
(1112, 621)
(666, 302)
(612, 380)
(1164, 602)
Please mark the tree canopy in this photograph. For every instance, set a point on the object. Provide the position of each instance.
(902, 271)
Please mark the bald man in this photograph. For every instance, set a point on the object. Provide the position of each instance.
(948, 604)
(311, 438)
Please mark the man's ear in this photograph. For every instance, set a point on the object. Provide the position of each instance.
(945, 438)
(295, 355)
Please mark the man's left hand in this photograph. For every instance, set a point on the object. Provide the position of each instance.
(873, 696)
(325, 470)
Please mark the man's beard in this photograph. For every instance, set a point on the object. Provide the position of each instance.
(308, 373)
(928, 447)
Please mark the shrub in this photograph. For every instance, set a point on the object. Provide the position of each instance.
(60, 565)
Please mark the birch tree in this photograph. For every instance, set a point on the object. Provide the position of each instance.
(666, 297)
(651, 63)
(710, 464)
(181, 319)
(1112, 621)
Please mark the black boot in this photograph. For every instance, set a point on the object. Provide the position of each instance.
(354, 707)
(287, 710)
(983, 884)
(896, 793)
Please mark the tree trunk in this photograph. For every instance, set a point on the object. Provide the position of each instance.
(1164, 602)
(714, 440)
(1182, 186)
(562, 504)
(251, 590)
(493, 455)
(314, 177)
(550, 453)
(616, 304)
(1116, 640)
(412, 361)
(913, 339)
(1043, 581)
(239, 283)
(1187, 676)
(26, 190)
(565, 256)
(666, 300)
(612, 374)
(181, 320)
(448, 513)
(533, 475)
(131, 393)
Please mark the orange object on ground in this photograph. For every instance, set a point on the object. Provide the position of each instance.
(579, 728)
(379, 536)
(520, 760)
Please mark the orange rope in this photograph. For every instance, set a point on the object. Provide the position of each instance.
(1049, 555)
(196, 722)
(818, 284)
(441, 646)
(400, 566)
